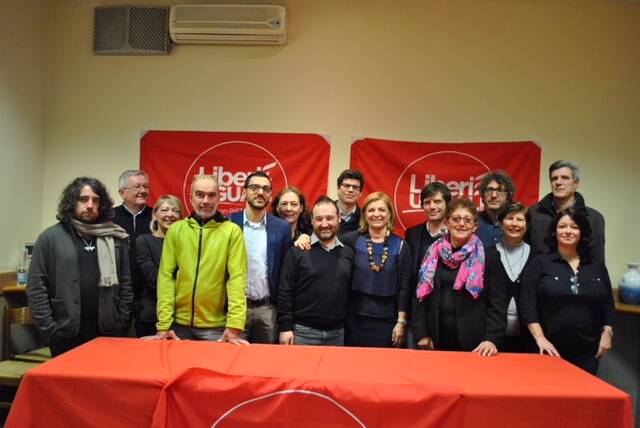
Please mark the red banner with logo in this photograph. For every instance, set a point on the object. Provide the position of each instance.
(401, 169)
(173, 158)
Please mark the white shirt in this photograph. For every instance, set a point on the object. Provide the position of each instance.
(255, 239)
(336, 243)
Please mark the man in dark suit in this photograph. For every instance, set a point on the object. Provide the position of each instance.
(435, 197)
(350, 188)
(267, 239)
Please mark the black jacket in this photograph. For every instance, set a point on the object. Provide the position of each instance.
(419, 240)
(352, 225)
(477, 320)
(135, 226)
(542, 215)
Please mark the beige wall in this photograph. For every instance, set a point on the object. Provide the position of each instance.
(22, 80)
(563, 73)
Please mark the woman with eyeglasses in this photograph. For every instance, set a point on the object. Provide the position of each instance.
(457, 309)
(168, 210)
(291, 205)
(566, 298)
(380, 296)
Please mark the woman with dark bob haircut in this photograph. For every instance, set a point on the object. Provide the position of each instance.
(509, 258)
(566, 297)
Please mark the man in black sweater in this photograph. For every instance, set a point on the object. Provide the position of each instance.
(313, 289)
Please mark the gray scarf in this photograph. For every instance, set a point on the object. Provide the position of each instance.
(104, 234)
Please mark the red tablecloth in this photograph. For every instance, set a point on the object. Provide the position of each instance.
(134, 383)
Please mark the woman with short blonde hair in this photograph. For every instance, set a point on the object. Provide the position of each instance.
(167, 210)
(380, 295)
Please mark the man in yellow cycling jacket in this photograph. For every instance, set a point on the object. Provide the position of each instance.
(203, 273)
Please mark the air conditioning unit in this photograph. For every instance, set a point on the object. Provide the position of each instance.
(228, 24)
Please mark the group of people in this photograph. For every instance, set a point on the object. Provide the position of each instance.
(508, 278)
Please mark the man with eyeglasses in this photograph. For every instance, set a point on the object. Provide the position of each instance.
(497, 190)
(134, 216)
(267, 239)
(564, 177)
(350, 187)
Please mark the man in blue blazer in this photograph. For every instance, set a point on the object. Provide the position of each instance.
(267, 239)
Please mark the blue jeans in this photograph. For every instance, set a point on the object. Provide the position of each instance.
(303, 335)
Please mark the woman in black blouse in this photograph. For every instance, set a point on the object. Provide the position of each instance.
(168, 210)
(566, 298)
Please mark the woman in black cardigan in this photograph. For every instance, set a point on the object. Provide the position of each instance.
(510, 257)
(457, 308)
(168, 210)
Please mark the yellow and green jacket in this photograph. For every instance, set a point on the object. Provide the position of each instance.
(203, 275)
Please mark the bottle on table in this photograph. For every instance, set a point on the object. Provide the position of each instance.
(23, 267)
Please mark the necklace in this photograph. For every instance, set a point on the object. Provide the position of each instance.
(89, 247)
(510, 265)
(377, 267)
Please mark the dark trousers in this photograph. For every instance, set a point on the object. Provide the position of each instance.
(145, 328)
(368, 331)
(448, 339)
(88, 331)
(586, 361)
(513, 343)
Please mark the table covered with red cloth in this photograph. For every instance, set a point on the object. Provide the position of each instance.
(135, 383)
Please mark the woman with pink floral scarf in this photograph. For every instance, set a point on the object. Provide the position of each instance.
(456, 308)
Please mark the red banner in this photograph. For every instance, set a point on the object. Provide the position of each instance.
(204, 398)
(401, 169)
(173, 158)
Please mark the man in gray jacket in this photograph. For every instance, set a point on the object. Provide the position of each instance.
(565, 179)
(79, 286)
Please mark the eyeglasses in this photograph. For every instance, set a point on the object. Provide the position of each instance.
(490, 190)
(575, 285)
(256, 188)
(355, 187)
(466, 220)
(138, 187)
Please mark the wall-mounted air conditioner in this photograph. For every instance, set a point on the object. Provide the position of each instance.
(228, 24)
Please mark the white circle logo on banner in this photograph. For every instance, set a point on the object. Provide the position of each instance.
(232, 162)
(246, 406)
(459, 171)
